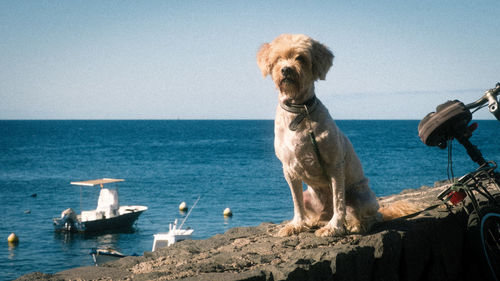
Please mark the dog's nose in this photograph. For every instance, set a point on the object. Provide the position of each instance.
(286, 71)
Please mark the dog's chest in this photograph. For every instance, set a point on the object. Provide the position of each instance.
(297, 153)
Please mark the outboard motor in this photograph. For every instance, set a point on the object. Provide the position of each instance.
(67, 220)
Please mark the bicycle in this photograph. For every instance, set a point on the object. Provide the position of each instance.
(440, 128)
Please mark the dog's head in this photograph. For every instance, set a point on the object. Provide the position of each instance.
(294, 62)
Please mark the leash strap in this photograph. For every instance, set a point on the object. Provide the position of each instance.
(312, 137)
(296, 121)
(302, 111)
(316, 150)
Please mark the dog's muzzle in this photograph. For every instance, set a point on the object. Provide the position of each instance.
(287, 81)
(289, 76)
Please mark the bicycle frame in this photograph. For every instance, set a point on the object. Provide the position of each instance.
(477, 181)
(451, 121)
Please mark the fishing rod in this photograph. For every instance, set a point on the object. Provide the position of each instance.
(184, 220)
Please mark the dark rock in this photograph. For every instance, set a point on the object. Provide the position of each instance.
(38, 276)
(428, 245)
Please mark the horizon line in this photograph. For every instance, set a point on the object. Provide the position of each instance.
(177, 119)
(214, 119)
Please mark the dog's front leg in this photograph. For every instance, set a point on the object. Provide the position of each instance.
(336, 225)
(298, 223)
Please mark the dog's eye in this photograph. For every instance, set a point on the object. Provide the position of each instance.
(301, 59)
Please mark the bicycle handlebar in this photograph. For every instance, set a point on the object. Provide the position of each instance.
(489, 96)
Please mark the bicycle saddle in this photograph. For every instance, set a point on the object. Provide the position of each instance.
(449, 120)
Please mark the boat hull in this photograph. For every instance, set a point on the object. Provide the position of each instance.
(124, 221)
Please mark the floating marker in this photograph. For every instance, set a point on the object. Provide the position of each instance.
(227, 212)
(13, 238)
(183, 207)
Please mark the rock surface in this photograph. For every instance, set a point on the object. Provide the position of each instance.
(428, 245)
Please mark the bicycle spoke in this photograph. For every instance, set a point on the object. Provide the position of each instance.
(494, 236)
(492, 243)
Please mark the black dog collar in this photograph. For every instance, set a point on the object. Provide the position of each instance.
(302, 110)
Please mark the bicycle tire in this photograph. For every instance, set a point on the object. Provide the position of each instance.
(483, 233)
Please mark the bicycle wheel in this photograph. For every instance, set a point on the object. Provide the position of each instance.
(483, 231)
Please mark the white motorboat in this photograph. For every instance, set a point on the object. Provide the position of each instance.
(108, 215)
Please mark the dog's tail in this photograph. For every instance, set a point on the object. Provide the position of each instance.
(400, 208)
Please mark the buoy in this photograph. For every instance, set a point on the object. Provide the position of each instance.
(227, 212)
(183, 207)
(13, 238)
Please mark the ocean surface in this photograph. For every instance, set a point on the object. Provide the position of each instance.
(227, 163)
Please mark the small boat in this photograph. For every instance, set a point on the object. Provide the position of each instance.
(101, 256)
(108, 215)
(174, 234)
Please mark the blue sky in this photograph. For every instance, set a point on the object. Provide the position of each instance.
(196, 59)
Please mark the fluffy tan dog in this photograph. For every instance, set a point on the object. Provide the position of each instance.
(338, 197)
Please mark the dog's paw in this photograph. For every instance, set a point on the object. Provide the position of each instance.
(329, 231)
(356, 228)
(291, 229)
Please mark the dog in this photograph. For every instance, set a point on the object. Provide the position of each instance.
(311, 147)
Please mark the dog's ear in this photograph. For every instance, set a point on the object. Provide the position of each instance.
(322, 59)
(263, 59)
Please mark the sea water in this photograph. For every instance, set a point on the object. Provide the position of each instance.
(227, 163)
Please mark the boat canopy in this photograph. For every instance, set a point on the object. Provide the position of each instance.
(96, 182)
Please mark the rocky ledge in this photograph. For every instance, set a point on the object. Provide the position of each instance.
(428, 245)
